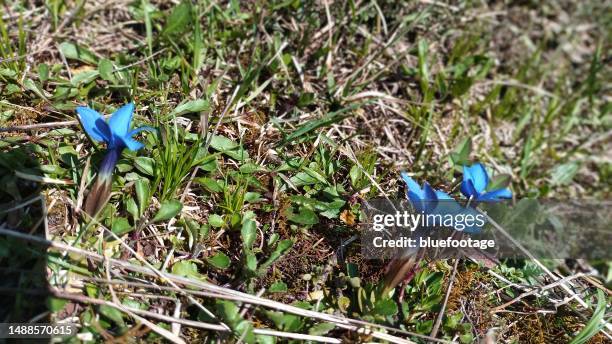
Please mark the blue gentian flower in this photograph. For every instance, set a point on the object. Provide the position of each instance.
(422, 198)
(429, 201)
(435, 202)
(475, 183)
(117, 135)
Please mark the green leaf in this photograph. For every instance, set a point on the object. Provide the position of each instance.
(252, 197)
(121, 226)
(143, 194)
(264, 339)
(244, 330)
(385, 307)
(305, 217)
(278, 287)
(249, 168)
(30, 85)
(178, 19)
(209, 184)
(228, 147)
(113, 314)
(105, 68)
(222, 143)
(193, 231)
(145, 165)
(168, 210)
(248, 230)
(9, 73)
(281, 248)
(303, 178)
(239, 154)
(305, 99)
(285, 322)
(185, 268)
(461, 85)
(230, 314)
(355, 175)
(228, 311)
(321, 329)
(204, 229)
(251, 261)
(312, 125)
(466, 338)
(430, 302)
(313, 173)
(596, 323)
(564, 174)
(424, 327)
(209, 164)
(216, 220)
(190, 107)
(43, 72)
(134, 304)
(452, 321)
(91, 290)
(219, 261)
(132, 208)
(75, 52)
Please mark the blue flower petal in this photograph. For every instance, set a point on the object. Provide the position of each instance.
(412, 185)
(416, 201)
(467, 189)
(442, 195)
(90, 121)
(131, 144)
(120, 120)
(478, 175)
(102, 129)
(430, 198)
(495, 195)
(429, 193)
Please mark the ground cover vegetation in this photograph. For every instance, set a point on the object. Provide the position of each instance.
(272, 121)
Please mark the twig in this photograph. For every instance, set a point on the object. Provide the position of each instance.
(148, 265)
(42, 179)
(37, 126)
(436, 327)
(516, 83)
(140, 61)
(23, 204)
(176, 327)
(230, 294)
(117, 304)
(535, 291)
(190, 323)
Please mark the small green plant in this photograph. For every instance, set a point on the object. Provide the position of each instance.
(178, 154)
